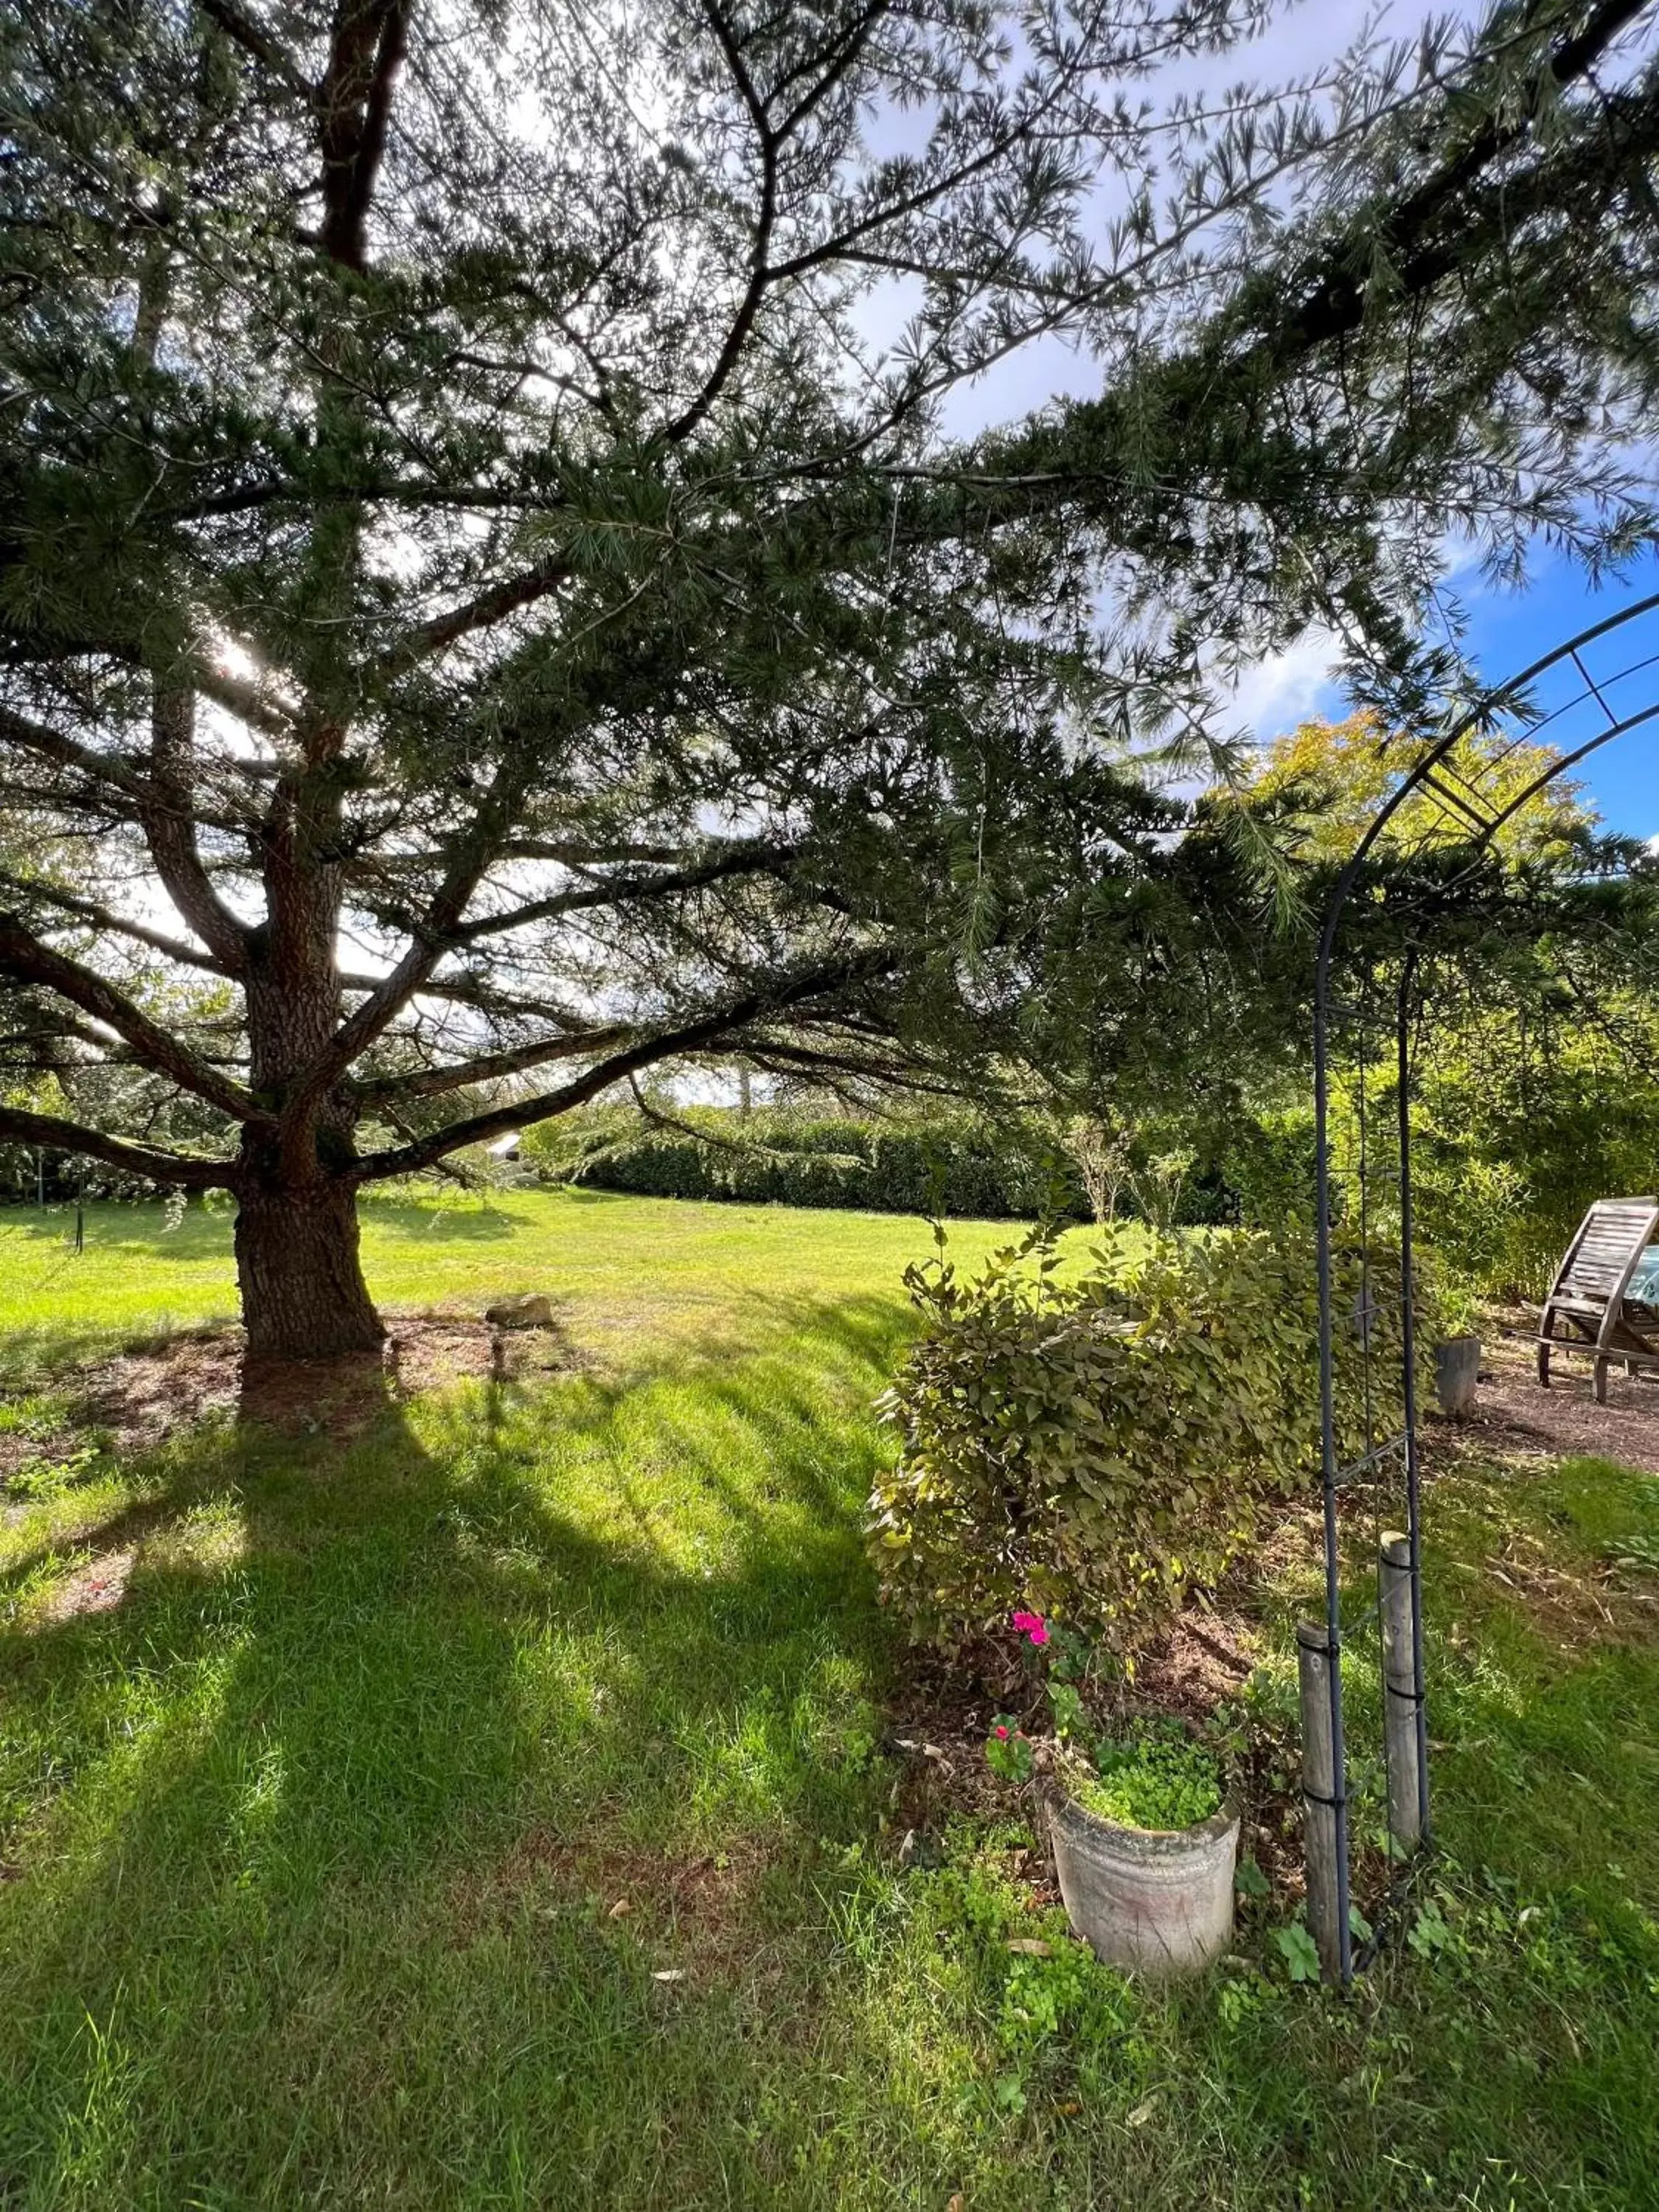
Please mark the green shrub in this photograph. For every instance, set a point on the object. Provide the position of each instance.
(1091, 1448)
(1513, 1140)
(1268, 1166)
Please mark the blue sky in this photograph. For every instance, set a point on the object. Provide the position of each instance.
(1508, 632)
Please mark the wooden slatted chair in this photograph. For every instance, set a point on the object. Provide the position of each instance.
(1587, 1296)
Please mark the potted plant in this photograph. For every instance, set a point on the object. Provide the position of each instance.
(1144, 1834)
(1145, 1843)
(1457, 1359)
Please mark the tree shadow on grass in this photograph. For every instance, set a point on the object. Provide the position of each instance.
(307, 1825)
(322, 1832)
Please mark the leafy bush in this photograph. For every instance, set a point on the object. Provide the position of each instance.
(1509, 1159)
(1091, 1447)
(1268, 1166)
(1517, 1128)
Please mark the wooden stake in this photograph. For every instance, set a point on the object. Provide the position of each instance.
(1403, 1693)
(1319, 1796)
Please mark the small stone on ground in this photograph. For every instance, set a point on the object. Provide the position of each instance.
(533, 1310)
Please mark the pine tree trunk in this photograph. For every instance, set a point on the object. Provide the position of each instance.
(303, 1292)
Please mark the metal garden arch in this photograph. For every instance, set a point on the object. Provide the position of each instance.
(1603, 694)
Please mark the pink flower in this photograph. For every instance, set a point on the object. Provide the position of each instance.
(1032, 1625)
(1001, 1735)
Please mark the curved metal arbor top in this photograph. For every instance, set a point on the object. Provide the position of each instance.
(1599, 685)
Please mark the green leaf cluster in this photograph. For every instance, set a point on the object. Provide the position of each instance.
(1094, 1445)
(1153, 1777)
(1008, 1750)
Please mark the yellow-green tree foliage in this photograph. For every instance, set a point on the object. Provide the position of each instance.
(1328, 781)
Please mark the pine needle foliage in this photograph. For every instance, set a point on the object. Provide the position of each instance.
(489, 601)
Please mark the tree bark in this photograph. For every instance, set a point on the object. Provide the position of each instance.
(303, 1292)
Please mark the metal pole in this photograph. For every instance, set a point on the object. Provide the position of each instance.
(1408, 1355)
(1328, 1916)
(1402, 1691)
(1485, 708)
(1336, 1787)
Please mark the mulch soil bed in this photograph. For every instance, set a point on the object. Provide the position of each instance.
(1513, 1417)
(145, 1395)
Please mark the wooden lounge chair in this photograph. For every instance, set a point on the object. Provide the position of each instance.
(1589, 1300)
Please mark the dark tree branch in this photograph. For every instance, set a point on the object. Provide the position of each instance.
(769, 141)
(167, 812)
(103, 917)
(241, 698)
(474, 851)
(489, 1067)
(1335, 306)
(18, 1128)
(890, 1071)
(112, 1053)
(833, 66)
(567, 852)
(242, 31)
(573, 853)
(621, 891)
(711, 1027)
(69, 752)
(472, 991)
(490, 607)
(355, 100)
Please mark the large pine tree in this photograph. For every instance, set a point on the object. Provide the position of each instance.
(486, 596)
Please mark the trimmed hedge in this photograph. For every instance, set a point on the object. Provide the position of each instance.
(955, 1166)
(1092, 1448)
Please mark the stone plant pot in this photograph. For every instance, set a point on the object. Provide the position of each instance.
(1456, 1371)
(1153, 1901)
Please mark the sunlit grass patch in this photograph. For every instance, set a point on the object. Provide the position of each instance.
(311, 1844)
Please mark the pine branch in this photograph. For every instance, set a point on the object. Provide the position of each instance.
(474, 851)
(51, 745)
(489, 1067)
(180, 1168)
(490, 607)
(167, 812)
(1336, 305)
(761, 859)
(24, 955)
(768, 141)
(254, 40)
(355, 99)
(712, 1027)
(97, 916)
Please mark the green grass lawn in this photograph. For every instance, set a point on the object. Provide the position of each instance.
(314, 1843)
(626, 1271)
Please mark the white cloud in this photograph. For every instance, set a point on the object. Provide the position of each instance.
(1290, 687)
